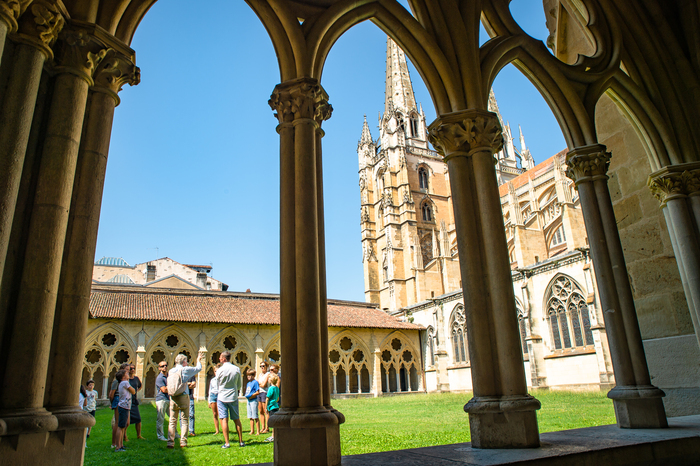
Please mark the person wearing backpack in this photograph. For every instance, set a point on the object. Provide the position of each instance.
(180, 397)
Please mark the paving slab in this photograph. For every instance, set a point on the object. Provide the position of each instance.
(678, 445)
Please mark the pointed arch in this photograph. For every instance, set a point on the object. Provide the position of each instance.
(567, 312)
(349, 363)
(458, 335)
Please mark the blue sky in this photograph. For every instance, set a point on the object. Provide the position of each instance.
(193, 171)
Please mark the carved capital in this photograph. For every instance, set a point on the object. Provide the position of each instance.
(39, 26)
(300, 98)
(464, 133)
(113, 72)
(79, 52)
(675, 181)
(588, 163)
(10, 11)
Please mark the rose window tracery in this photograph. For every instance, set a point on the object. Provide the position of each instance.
(399, 369)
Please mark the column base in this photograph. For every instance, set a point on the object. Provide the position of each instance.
(58, 447)
(307, 436)
(24, 421)
(639, 407)
(503, 422)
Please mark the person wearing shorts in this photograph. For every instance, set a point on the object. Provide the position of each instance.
(124, 407)
(264, 384)
(228, 379)
(213, 392)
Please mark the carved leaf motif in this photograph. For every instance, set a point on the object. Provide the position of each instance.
(673, 184)
(48, 21)
(587, 165)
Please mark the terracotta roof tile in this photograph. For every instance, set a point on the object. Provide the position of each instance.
(138, 303)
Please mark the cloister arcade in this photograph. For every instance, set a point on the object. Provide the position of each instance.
(65, 61)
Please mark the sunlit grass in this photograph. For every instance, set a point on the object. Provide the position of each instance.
(372, 424)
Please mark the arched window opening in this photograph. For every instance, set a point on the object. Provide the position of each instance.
(431, 346)
(558, 237)
(364, 380)
(423, 178)
(403, 378)
(414, 126)
(393, 386)
(459, 336)
(149, 390)
(341, 381)
(568, 314)
(398, 359)
(354, 382)
(427, 212)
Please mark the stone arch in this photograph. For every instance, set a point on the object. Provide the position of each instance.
(111, 353)
(458, 334)
(349, 363)
(400, 365)
(273, 345)
(567, 313)
(158, 347)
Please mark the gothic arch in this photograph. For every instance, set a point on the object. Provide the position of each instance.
(400, 363)
(166, 344)
(231, 339)
(349, 363)
(567, 313)
(458, 335)
(273, 345)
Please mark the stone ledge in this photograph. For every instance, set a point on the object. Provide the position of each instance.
(677, 445)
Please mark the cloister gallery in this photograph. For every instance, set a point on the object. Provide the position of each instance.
(621, 78)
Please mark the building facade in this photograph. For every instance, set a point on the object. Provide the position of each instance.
(411, 262)
(370, 352)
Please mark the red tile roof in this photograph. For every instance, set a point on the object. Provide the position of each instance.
(531, 174)
(138, 303)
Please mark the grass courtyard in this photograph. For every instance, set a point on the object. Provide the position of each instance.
(372, 424)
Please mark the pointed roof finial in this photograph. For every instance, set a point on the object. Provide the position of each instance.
(522, 139)
(366, 137)
(399, 89)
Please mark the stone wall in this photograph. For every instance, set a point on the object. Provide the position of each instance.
(661, 305)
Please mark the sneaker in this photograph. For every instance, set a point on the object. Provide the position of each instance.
(120, 449)
(163, 439)
(270, 439)
(225, 445)
(242, 444)
(171, 446)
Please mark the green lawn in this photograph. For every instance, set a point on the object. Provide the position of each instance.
(372, 424)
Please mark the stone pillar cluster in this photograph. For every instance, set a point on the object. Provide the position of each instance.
(501, 413)
(306, 422)
(677, 187)
(638, 404)
(56, 114)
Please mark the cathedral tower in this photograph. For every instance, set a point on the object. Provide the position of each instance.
(409, 251)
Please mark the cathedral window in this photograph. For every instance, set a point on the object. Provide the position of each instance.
(558, 237)
(427, 212)
(459, 336)
(568, 314)
(414, 126)
(522, 327)
(431, 346)
(423, 178)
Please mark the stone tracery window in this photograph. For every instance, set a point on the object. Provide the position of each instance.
(104, 352)
(423, 178)
(399, 369)
(568, 314)
(426, 212)
(431, 346)
(348, 365)
(458, 333)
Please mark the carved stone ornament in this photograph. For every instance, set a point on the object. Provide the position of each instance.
(10, 11)
(300, 98)
(368, 253)
(113, 72)
(588, 163)
(78, 52)
(39, 26)
(365, 215)
(464, 133)
(675, 181)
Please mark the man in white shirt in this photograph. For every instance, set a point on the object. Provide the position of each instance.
(180, 404)
(228, 378)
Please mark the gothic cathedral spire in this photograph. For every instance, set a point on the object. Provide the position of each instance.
(399, 89)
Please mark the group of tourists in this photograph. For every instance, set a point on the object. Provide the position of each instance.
(175, 398)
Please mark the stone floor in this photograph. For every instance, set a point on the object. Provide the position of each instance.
(595, 446)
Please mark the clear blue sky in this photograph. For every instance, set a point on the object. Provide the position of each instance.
(194, 160)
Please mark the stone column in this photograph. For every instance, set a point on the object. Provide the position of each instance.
(501, 414)
(533, 340)
(677, 187)
(38, 29)
(377, 373)
(10, 11)
(306, 429)
(637, 402)
(442, 378)
(70, 325)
